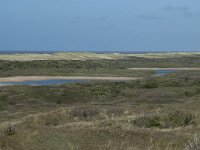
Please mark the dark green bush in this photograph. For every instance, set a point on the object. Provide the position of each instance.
(147, 84)
(148, 121)
(170, 119)
(84, 113)
(178, 118)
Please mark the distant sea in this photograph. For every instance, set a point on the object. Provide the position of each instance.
(98, 52)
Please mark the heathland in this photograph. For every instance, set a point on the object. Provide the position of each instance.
(152, 112)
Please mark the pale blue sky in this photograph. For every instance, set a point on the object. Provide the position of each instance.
(100, 25)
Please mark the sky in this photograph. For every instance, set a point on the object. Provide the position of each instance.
(95, 25)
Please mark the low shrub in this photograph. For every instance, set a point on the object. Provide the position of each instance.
(84, 113)
(8, 130)
(170, 119)
(148, 121)
(147, 84)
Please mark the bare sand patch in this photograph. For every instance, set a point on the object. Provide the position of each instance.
(175, 69)
(59, 56)
(36, 78)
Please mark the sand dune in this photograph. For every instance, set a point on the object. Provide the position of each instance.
(90, 56)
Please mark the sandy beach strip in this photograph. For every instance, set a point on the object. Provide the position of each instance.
(175, 69)
(38, 78)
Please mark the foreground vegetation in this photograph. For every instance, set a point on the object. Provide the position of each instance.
(155, 113)
(150, 114)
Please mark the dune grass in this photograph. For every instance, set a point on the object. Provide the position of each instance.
(155, 113)
(97, 67)
(149, 114)
(90, 56)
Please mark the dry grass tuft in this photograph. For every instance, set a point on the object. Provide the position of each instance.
(194, 143)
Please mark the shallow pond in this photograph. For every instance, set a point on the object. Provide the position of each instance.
(59, 81)
(164, 72)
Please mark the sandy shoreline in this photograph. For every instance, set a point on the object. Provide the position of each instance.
(36, 78)
(175, 69)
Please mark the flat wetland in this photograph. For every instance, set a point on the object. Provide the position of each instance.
(118, 109)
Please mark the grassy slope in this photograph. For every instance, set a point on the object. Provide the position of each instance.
(102, 115)
(157, 113)
(89, 56)
(117, 67)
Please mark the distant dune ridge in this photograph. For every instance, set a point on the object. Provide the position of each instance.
(175, 69)
(89, 55)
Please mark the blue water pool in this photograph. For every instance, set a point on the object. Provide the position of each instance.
(164, 72)
(42, 82)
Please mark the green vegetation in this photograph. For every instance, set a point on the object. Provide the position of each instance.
(171, 119)
(102, 67)
(153, 113)
(67, 68)
(150, 114)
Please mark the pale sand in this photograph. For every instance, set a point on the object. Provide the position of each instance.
(90, 56)
(4, 85)
(175, 69)
(36, 78)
